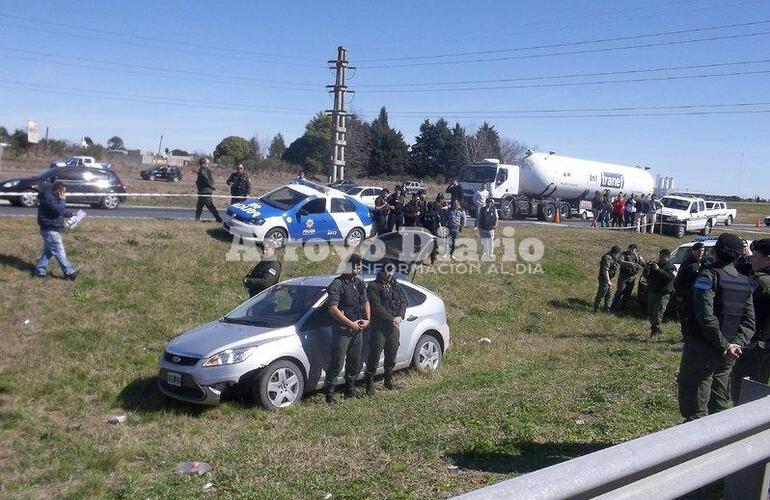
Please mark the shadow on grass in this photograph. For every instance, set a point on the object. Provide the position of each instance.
(142, 395)
(530, 456)
(219, 234)
(572, 303)
(17, 263)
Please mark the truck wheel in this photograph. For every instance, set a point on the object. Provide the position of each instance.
(706, 229)
(680, 231)
(729, 221)
(506, 210)
(564, 211)
(549, 212)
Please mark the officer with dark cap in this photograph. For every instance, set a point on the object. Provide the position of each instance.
(396, 202)
(349, 307)
(722, 325)
(630, 263)
(265, 274)
(660, 285)
(388, 304)
(685, 277)
(755, 361)
(205, 184)
(381, 210)
(608, 266)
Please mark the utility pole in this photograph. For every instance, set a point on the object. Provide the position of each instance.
(338, 129)
(160, 145)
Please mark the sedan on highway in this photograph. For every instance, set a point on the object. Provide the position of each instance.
(275, 346)
(94, 186)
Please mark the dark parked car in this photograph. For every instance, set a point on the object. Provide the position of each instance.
(162, 172)
(342, 185)
(99, 188)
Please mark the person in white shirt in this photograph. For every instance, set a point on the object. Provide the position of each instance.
(480, 198)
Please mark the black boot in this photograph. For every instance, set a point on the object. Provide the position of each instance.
(350, 390)
(370, 386)
(389, 384)
(329, 394)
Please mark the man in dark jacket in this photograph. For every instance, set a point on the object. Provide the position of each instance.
(608, 266)
(381, 211)
(487, 223)
(660, 285)
(265, 274)
(240, 185)
(630, 263)
(51, 212)
(388, 305)
(755, 361)
(455, 191)
(396, 216)
(723, 324)
(685, 278)
(205, 185)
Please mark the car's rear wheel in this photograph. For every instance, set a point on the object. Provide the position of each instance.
(28, 200)
(729, 221)
(584, 216)
(275, 237)
(680, 231)
(354, 237)
(427, 354)
(280, 385)
(175, 178)
(110, 202)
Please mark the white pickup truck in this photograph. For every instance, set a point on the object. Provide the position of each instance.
(720, 213)
(681, 215)
(80, 161)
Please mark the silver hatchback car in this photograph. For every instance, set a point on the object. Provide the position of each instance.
(275, 346)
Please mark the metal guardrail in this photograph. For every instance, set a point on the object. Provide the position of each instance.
(668, 464)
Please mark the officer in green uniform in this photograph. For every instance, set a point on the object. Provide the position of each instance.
(608, 265)
(755, 361)
(349, 307)
(723, 323)
(265, 274)
(205, 184)
(685, 277)
(630, 263)
(660, 285)
(388, 304)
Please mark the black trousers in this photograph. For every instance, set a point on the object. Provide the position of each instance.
(205, 201)
(624, 291)
(382, 337)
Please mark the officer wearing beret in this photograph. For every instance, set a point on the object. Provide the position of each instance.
(349, 308)
(722, 325)
(755, 361)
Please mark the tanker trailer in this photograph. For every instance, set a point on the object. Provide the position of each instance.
(544, 183)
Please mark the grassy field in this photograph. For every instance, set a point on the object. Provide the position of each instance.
(748, 213)
(557, 381)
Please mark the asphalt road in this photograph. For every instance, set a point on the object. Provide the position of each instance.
(181, 213)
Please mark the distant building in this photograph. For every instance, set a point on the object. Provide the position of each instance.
(663, 185)
(179, 161)
(148, 158)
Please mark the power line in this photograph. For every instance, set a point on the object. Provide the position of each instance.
(172, 49)
(570, 44)
(154, 39)
(573, 75)
(574, 52)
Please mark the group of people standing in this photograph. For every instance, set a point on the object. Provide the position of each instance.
(624, 210)
(723, 305)
(239, 182)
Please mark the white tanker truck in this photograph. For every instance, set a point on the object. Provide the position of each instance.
(546, 183)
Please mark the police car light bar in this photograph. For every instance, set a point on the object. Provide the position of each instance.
(705, 238)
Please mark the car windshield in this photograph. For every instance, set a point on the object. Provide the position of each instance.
(354, 191)
(478, 174)
(675, 203)
(283, 198)
(276, 307)
(680, 254)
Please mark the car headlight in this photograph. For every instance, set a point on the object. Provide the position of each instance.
(11, 184)
(257, 222)
(229, 357)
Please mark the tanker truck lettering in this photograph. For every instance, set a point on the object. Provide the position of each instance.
(543, 184)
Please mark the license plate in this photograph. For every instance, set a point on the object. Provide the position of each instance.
(174, 378)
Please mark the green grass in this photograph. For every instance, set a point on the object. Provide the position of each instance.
(555, 383)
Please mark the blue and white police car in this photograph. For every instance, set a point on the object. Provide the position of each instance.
(299, 212)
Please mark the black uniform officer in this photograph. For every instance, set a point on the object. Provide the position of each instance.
(607, 267)
(396, 216)
(205, 184)
(381, 210)
(755, 361)
(388, 304)
(685, 278)
(240, 185)
(265, 274)
(349, 307)
(722, 323)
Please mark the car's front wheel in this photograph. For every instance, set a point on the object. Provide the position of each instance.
(354, 237)
(427, 354)
(110, 202)
(28, 200)
(152, 177)
(280, 385)
(275, 237)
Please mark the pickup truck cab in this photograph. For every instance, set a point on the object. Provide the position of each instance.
(80, 161)
(720, 213)
(681, 215)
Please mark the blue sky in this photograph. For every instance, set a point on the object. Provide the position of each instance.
(183, 69)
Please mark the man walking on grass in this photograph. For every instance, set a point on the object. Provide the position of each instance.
(50, 217)
(205, 185)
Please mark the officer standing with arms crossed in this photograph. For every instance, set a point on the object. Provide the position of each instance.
(388, 305)
(722, 323)
(381, 210)
(349, 307)
(660, 285)
(755, 361)
(240, 185)
(607, 268)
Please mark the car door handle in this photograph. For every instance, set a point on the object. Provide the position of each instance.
(411, 318)
(351, 219)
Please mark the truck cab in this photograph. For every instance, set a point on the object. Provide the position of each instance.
(721, 213)
(681, 215)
